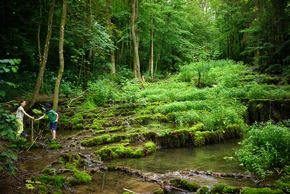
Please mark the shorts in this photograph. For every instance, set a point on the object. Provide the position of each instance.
(53, 126)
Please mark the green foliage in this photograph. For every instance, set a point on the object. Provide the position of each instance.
(102, 91)
(54, 145)
(122, 151)
(284, 182)
(198, 71)
(7, 130)
(82, 177)
(42, 189)
(77, 118)
(203, 190)
(218, 188)
(265, 149)
(248, 190)
(69, 89)
(150, 146)
(106, 138)
(130, 90)
(7, 66)
(231, 189)
(159, 191)
(7, 160)
(199, 138)
(7, 124)
(57, 181)
(123, 75)
(221, 188)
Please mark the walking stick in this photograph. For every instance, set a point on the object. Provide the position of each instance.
(38, 136)
(32, 133)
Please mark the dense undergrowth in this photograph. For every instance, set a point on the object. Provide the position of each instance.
(204, 103)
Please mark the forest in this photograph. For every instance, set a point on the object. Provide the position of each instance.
(129, 78)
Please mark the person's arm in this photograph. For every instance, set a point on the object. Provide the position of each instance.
(56, 117)
(40, 117)
(24, 112)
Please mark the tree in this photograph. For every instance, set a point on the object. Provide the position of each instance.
(61, 57)
(256, 32)
(134, 29)
(44, 56)
(110, 30)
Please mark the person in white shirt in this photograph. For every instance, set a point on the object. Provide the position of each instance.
(19, 118)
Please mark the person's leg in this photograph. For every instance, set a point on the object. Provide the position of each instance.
(19, 128)
(53, 134)
(53, 127)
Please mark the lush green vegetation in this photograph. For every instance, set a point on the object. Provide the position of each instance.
(266, 149)
(184, 32)
(162, 77)
(180, 111)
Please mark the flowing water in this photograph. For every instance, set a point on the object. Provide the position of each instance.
(215, 158)
(163, 165)
(171, 163)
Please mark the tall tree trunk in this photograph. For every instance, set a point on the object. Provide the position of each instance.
(151, 58)
(134, 26)
(38, 33)
(44, 56)
(61, 58)
(110, 30)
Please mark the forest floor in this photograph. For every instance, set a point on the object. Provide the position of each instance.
(31, 162)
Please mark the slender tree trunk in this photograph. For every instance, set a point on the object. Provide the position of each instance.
(38, 33)
(110, 29)
(134, 26)
(92, 50)
(44, 56)
(61, 58)
(151, 58)
(157, 61)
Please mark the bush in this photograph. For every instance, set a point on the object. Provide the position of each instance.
(284, 182)
(266, 149)
(102, 91)
(7, 130)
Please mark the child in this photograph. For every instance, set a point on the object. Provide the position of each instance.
(53, 119)
(19, 118)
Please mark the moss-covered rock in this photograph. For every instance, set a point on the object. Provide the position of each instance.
(159, 191)
(203, 190)
(57, 181)
(54, 145)
(185, 184)
(79, 178)
(231, 189)
(248, 190)
(123, 151)
(98, 140)
(218, 188)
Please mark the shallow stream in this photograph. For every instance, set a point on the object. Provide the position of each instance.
(171, 163)
(163, 165)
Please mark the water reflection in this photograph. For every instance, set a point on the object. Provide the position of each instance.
(115, 183)
(207, 158)
(169, 163)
